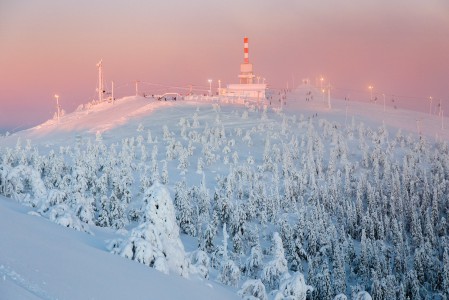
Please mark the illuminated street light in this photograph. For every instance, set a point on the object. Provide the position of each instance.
(371, 92)
(321, 82)
(430, 106)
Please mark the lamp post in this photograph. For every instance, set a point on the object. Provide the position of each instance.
(57, 106)
(219, 87)
(383, 95)
(210, 86)
(371, 92)
(321, 82)
(430, 105)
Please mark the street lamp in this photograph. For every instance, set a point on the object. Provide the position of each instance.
(371, 92)
(430, 107)
(210, 86)
(321, 80)
(219, 86)
(383, 95)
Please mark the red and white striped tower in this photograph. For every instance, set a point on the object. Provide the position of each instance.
(245, 50)
(246, 69)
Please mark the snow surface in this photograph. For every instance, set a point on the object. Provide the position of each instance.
(42, 260)
(126, 113)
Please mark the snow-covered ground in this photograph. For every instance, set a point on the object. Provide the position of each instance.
(41, 260)
(286, 177)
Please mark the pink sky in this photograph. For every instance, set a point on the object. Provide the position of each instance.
(401, 47)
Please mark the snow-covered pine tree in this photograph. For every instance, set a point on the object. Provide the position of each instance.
(185, 213)
(253, 289)
(156, 241)
(339, 273)
(164, 176)
(230, 272)
(446, 271)
(294, 287)
(254, 261)
(273, 270)
(104, 217)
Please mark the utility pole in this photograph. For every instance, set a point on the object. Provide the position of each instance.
(137, 87)
(112, 92)
(58, 109)
(329, 95)
(383, 95)
(100, 81)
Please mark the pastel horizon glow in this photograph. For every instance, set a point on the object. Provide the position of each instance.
(51, 47)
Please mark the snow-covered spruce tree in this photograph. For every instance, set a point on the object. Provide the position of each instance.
(230, 272)
(186, 215)
(61, 214)
(277, 267)
(294, 287)
(164, 175)
(206, 240)
(341, 297)
(253, 289)
(200, 165)
(104, 217)
(203, 202)
(363, 296)
(149, 137)
(156, 241)
(446, 271)
(199, 263)
(321, 280)
(339, 274)
(183, 159)
(254, 262)
(117, 216)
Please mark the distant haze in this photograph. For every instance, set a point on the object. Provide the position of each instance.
(400, 47)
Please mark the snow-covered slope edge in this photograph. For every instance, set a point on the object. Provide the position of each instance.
(41, 260)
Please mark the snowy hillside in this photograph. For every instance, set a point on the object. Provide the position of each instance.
(269, 200)
(40, 260)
